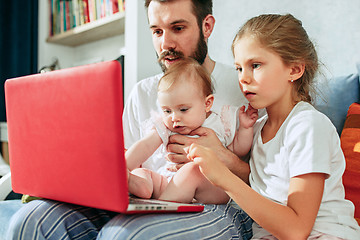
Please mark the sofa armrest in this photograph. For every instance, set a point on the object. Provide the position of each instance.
(5, 186)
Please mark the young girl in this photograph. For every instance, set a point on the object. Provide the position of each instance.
(296, 161)
(185, 97)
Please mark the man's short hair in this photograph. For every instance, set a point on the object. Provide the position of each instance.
(201, 8)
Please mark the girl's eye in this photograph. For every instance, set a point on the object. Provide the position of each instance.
(157, 32)
(239, 69)
(167, 111)
(256, 65)
(184, 109)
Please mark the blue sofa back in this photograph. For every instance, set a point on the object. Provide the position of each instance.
(336, 95)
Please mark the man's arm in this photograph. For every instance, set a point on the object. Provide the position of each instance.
(207, 138)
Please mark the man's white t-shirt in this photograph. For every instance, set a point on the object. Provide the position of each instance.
(307, 142)
(143, 100)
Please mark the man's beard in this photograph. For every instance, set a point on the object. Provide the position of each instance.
(199, 54)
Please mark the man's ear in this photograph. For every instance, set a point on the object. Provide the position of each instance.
(209, 100)
(297, 70)
(208, 25)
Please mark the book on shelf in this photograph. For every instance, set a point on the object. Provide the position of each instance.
(68, 14)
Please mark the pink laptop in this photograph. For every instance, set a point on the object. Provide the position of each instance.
(66, 140)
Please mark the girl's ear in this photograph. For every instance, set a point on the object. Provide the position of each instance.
(297, 70)
(208, 26)
(209, 100)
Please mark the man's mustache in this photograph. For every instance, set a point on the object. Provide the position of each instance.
(171, 53)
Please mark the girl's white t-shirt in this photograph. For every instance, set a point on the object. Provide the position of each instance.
(307, 142)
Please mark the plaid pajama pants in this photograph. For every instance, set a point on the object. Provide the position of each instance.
(45, 219)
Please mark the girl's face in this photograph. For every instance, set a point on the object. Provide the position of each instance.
(184, 107)
(263, 77)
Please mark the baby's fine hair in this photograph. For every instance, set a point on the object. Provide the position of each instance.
(285, 35)
(185, 71)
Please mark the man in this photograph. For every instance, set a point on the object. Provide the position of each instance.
(176, 32)
(179, 28)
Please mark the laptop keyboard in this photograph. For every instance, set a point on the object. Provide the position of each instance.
(143, 201)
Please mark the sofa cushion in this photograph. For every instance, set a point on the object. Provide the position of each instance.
(336, 95)
(350, 144)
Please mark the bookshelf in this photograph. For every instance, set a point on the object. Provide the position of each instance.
(92, 31)
(76, 22)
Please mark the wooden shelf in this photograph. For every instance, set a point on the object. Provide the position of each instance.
(103, 28)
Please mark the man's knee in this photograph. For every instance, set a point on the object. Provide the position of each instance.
(23, 223)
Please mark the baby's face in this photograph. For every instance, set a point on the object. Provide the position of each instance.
(184, 108)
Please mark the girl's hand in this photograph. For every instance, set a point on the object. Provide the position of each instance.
(248, 118)
(177, 144)
(212, 168)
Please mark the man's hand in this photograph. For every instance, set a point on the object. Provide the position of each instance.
(176, 146)
(207, 138)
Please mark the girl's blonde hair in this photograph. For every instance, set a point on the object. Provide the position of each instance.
(285, 35)
(190, 70)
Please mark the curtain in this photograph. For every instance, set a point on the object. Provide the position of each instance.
(18, 42)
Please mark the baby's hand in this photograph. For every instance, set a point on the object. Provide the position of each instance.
(247, 118)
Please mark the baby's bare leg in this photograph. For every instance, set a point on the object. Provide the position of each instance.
(145, 183)
(140, 183)
(189, 183)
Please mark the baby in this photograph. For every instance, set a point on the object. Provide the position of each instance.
(185, 95)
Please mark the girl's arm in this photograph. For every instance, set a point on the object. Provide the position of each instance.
(293, 221)
(140, 151)
(242, 142)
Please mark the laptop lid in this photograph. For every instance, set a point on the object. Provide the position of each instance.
(66, 140)
(65, 135)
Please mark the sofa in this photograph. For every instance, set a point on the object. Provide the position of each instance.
(335, 98)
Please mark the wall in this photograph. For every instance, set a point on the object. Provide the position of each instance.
(140, 60)
(334, 27)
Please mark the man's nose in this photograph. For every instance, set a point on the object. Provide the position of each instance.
(168, 41)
